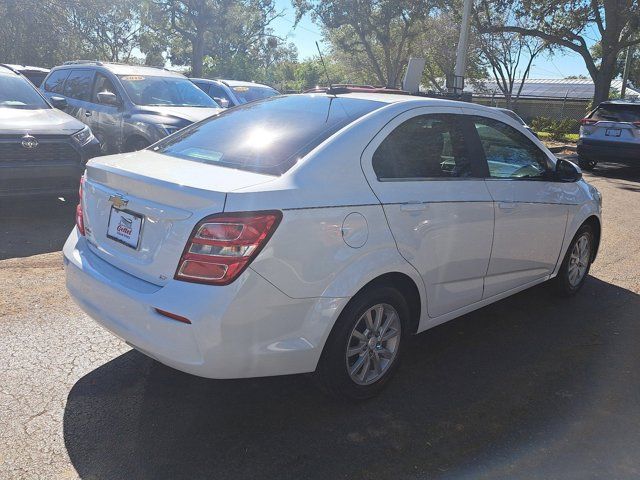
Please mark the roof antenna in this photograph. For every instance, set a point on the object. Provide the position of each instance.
(326, 72)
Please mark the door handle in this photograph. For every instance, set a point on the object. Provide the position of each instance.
(509, 206)
(87, 114)
(413, 206)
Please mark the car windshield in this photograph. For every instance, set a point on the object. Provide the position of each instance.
(617, 113)
(167, 91)
(16, 92)
(266, 137)
(247, 94)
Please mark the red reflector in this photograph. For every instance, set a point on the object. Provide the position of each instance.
(173, 316)
(79, 211)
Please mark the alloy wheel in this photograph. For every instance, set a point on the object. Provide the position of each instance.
(373, 344)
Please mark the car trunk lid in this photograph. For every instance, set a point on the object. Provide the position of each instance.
(140, 208)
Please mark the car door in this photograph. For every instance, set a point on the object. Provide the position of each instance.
(107, 118)
(436, 202)
(531, 209)
(77, 89)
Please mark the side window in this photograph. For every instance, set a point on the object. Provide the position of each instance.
(508, 152)
(78, 84)
(55, 81)
(102, 84)
(427, 146)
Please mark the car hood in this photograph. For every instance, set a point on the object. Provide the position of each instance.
(46, 121)
(190, 114)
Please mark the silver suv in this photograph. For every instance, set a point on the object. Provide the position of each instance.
(128, 107)
(610, 132)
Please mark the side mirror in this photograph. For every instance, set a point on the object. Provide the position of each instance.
(223, 102)
(567, 171)
(108, 98)
(58, 102)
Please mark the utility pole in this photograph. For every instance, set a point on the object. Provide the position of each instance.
(463, 47)
(625, 73)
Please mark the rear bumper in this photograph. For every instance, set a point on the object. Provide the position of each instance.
(602, 150)
(246, 329)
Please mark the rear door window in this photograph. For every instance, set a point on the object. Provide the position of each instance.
(55, 81)
(424, 147)
(78, 85)
(266, 137)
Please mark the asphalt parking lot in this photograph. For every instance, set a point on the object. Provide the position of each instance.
(531, 387)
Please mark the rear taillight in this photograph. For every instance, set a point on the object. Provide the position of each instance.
(636, 124)
(223, 245)
(588, 121)
(79, 213)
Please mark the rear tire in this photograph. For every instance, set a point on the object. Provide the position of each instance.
(363, 350)
(577, 262)
(587, 163)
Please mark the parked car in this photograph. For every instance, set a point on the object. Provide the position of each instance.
(517, 118)
(315, 233)
(35, 75)
(42, 150)
(610, 132)
(128, 107)
(231, 93)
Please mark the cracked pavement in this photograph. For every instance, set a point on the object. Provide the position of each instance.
(531, 387)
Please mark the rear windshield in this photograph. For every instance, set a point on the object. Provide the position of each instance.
(266, 137)
(617, 113)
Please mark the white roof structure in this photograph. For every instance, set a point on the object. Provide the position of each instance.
(569, 88)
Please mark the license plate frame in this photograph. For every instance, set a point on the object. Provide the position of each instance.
(613, 132)
(126, 219)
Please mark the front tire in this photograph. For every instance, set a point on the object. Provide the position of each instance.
(363, 350)
(577, 262)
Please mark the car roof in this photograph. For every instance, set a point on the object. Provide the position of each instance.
(25, 68)
(231, 83)
(7, 70)
(628, 103)
(122, 69)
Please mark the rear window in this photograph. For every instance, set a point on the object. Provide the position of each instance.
(617, 113)
(266, 137)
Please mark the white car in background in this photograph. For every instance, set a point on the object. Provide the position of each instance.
(315, 233)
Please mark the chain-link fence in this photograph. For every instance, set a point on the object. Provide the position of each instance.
(553, 108)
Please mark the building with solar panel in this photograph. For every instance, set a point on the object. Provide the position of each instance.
(558, 98)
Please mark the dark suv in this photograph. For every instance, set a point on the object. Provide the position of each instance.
(610, 132)
(42, 150)
(128, 107)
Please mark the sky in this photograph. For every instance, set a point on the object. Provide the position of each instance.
(307, 33)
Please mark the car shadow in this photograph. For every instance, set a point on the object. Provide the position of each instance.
(31, 226)
(472, 395)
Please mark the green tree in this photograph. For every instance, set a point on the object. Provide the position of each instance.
(373, 36)
(569, 24)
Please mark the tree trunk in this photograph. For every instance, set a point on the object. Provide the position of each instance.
(197, 54)
(603, 78)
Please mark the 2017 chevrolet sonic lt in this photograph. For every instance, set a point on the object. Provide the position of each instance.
(316, 232)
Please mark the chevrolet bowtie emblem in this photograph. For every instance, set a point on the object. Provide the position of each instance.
(118, 201)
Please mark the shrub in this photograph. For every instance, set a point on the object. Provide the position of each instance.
(556, 128)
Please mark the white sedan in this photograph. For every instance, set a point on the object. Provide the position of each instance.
(316, 232)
